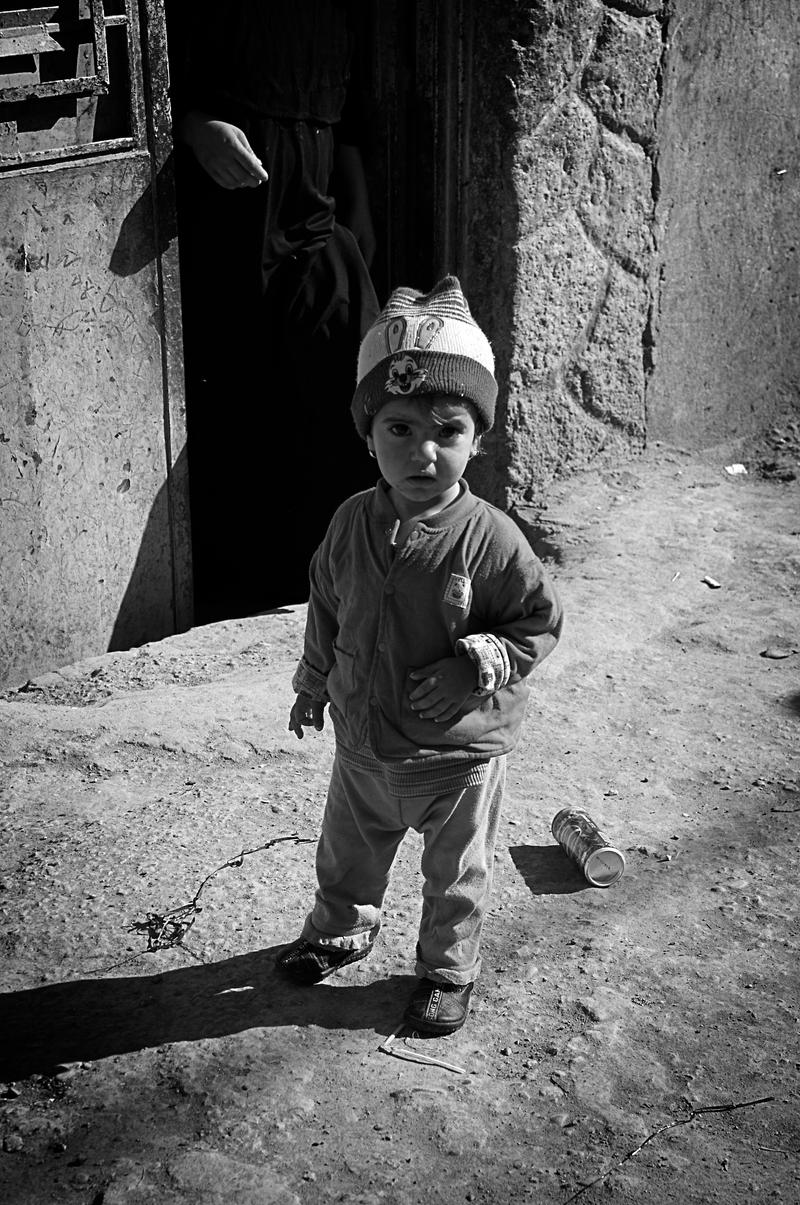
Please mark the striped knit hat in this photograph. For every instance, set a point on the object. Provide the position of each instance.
(424, 343)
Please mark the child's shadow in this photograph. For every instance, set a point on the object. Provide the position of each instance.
(547, 870)
(90, 1019)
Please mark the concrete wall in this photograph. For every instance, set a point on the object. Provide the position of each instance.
(87, 542)
(94, 523)
(727, 353)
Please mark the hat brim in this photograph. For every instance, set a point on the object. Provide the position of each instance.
(413, 374)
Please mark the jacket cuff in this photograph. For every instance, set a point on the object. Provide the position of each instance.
(489, 656)
(310, 681)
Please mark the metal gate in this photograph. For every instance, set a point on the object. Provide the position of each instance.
(94, 525)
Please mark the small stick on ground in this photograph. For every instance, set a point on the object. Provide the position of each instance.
(167, 930)
(386, 1043)
(682, 1121)
(415, 1056)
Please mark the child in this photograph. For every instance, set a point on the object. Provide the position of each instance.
(428, 611)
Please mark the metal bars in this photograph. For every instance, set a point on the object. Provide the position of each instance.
(62, 94)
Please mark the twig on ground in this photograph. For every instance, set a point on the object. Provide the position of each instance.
(386, 1043)
(693, 1115)
(166, 930)
(414, 1056)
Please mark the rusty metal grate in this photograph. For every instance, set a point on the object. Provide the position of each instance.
(36, 32)
(68, 81)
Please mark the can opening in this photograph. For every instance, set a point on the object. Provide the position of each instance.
(604, 867)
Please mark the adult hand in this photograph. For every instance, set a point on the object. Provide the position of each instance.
(223, 151)
(444, 687)
(306, 713)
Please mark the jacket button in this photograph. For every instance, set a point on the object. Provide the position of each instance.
(388, 589)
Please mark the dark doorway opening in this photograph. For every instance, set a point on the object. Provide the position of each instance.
(267, 468)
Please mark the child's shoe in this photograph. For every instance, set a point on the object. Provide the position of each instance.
(308, 963)
(438, 1008)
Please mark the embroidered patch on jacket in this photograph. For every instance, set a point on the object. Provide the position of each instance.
(458, 590)
(405, 375)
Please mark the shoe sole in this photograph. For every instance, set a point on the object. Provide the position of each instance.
(431, 1028)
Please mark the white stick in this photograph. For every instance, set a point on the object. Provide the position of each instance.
(384, 1046)
(413, 1056)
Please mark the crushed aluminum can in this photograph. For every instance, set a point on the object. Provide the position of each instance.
(601, 862)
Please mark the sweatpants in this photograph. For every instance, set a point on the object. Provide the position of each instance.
(362, 828)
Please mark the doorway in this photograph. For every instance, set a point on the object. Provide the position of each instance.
(267, 469)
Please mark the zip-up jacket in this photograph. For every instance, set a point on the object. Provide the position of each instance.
(464, 582)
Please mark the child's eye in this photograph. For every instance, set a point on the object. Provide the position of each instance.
(399, 429)
(449, 433)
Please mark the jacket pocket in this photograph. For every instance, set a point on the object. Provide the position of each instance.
(342, 679)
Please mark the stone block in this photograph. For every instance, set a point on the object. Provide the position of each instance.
(552, 165)
(621, 80)
(616, 207)
(607, 380)
(560, 278)
(551, 40)
(550, 435)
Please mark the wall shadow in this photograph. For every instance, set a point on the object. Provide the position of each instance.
(90, 1019)
(542, 539)
(149, 609)
(140, 240)
(547, 870)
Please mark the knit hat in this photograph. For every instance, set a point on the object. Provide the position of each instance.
(424, 343)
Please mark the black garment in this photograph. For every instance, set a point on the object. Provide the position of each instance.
(276, 297)
(289, 59)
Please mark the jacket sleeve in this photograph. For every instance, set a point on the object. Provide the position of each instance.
(521, 618)
(311, 675)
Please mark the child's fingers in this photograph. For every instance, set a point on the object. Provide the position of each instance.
(429, 682)
(307, 714)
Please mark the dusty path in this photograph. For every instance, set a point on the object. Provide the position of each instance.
(194, 1075)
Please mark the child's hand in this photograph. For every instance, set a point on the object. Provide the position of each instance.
(306, 712)
(223, 151)
(444, 687)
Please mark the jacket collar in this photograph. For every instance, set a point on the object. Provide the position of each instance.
(385, 513)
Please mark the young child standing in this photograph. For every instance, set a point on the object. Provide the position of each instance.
(428, 611)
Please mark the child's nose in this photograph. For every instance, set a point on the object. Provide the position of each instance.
(426, 452)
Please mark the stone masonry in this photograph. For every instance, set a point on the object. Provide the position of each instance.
(563, 189)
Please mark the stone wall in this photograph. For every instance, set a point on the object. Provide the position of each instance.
(562, 219)
(632, 245)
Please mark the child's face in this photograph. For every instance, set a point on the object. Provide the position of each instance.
(422, 449)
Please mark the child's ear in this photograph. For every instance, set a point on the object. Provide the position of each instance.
(371, 445)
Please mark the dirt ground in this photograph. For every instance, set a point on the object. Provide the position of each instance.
(636, 1043)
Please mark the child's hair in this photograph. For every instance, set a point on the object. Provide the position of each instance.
(423, 343)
